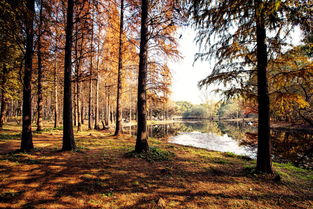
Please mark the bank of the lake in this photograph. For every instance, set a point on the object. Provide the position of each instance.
(240, 137)
(100, 175)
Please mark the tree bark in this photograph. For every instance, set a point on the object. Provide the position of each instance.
(107, 107)
(56, 105)
(75, 104)
(90, 112)
(118, 125)
(3, 96)
(97, 103)
(39, 79)
(82, 109)
(55, 81)
(97, 90)
(142, 137)
(78, 105)
(264, 162)
(27, 138)
(68, 136)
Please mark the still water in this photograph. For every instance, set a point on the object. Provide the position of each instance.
(239, 138)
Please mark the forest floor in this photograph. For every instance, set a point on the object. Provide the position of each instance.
(101, 175)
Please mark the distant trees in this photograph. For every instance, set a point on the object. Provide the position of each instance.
(186, 110)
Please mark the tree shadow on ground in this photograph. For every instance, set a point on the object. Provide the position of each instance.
(103, 178)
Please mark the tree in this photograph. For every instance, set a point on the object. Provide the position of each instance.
(142, 135)
(27, 139)
(3, 95)
(242, 50)
(290, 79)
(264, 162)
(118, 126)
(40, 73)
(90, 97)
(68, 136)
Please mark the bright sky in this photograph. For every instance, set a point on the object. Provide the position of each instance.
(187, 74)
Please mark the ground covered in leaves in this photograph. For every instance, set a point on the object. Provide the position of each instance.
(104, 173)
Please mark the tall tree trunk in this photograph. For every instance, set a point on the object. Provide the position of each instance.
(130, 106)
(97, 90)
(142, 137)
(75, 104)
(107, 107)
(78, 85)
(76, 108)
(27, 138)
(97, 103)
(82, 109)
(78, 105)
(68, 136)
(56, 104)
(264, 162)
(90, 112)
(3, 96)
(118, 125)
(39, 80)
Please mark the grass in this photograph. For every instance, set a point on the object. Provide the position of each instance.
(168, 176)
(153, 154)
(6, 136)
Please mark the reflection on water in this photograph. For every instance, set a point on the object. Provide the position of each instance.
(239, 138)
(211, 141)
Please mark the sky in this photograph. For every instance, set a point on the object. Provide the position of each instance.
(186, 74)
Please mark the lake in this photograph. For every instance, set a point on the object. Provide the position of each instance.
(239, 138)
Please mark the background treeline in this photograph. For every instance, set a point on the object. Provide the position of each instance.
(95, 59)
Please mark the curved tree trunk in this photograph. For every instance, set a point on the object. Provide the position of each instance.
(264, 162)
(27, 138)
(68, 136)
(142, 135)
(118, 126)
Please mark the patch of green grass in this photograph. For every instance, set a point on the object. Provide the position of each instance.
(153, 154)
(59, 128)
(221, 161)
(5, 136)
(21, 158)
(288, 170)
(107, 194)
(233, 155)
(80, 148)
(250, 170)
(95, 202)
(229, 154)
